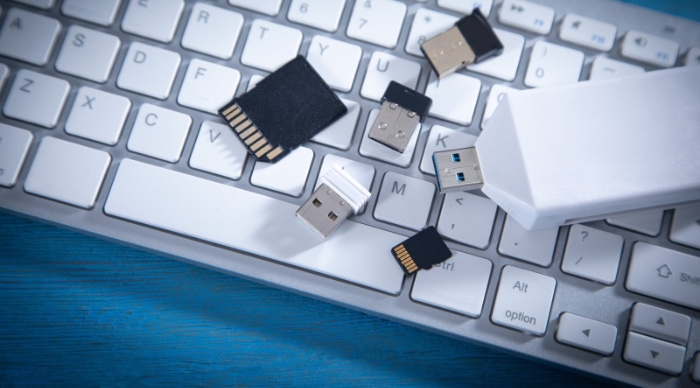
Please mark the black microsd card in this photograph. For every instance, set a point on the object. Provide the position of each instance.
(282, 111)
(421, 251)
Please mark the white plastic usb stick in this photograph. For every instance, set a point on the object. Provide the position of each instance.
(337, 197)
(569, 154)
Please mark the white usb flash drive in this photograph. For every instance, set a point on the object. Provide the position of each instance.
(583, 152)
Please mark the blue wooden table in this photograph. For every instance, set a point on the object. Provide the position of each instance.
(78, 310)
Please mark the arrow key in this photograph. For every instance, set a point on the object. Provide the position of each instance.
(586, 333)
(659, 323)
(653, 353)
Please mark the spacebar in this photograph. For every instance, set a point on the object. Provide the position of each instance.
(252, 223)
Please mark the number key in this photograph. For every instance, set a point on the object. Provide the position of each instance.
(377, 21)
(321, 14)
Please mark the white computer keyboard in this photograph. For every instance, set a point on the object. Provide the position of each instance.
(109, 126)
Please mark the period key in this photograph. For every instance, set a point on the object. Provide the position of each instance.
(524, 300)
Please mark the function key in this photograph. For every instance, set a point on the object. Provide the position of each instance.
(527, 16)
(692, 58)
(649, 49)
(467, 6)
(587, 32)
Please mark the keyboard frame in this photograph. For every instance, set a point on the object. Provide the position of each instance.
(572, 294)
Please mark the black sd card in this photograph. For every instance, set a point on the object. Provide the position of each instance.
(283, 110)
(421, 251)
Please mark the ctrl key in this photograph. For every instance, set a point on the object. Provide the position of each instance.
(523, 300)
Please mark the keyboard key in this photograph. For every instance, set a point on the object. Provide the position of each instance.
(696, 368)
(664, 274)
(505, 65)
(592, 254)
(523, 300)
(153, 19)
(585, 333)
(649, 49)
(321, 14)
(139, 189)
(28, 37)
(495, 96)
(212, 30)
(267, 7)
(99, 12)
(43, 4)
(207, 86)
(426, 24)
(466, 7)
(454, 97)
(88, 54)
(587, 32)
(398, 193)
(335, 61)
(36, 98)
(287, 176)
(218, 151)
(660, 323)
(533, 246)
(606, 68)
(384, 68)
(654, 354)
(375, 150)
(159, 133)
(4, 71)
(75, 180)
(14, 144)
(692, 58)
(442, 139)
(685, 228)
(648, 222)
(467, 218)
(377, 21)
(552, 65)
(363, 173)
(148, 70)
(527, 16)
(98, 115)
(458, 284)
(270, 45)
(339, 134)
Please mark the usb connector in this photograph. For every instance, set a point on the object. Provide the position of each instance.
(458, 170)
(338, 196)
(470, 40)
(401, 112)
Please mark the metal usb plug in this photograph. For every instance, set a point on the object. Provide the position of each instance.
(470, 40)
(458, 170)
(337, 197)
(402, 110)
